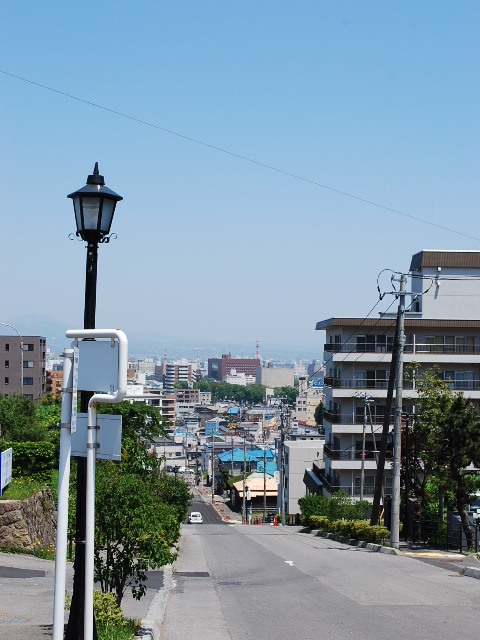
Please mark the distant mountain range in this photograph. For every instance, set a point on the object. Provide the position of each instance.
(153, 344)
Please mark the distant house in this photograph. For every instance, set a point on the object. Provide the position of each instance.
(255, 488)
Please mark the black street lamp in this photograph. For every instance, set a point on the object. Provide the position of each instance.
(94, 206)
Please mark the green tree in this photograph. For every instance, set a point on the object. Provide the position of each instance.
(181, 384)
(319, 414)
(141, 426)
(18, 420)
(290, 393)
(139, 513)
(135, 531)
(446, 432)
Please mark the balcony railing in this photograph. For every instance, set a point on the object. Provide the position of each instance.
(365, 383)
(362, 347)
(349, 418)
(347, 454)
(347, 383)
(330, 484)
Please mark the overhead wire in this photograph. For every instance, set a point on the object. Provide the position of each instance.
(239, 156)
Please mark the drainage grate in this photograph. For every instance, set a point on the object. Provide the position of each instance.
(192, 574)
(229, 584)
(12, 621)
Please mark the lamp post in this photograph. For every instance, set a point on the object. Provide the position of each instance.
(94, 206)
(5, 324)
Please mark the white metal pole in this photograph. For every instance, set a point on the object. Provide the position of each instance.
(397, 429)
(63, 486)
(90, 520)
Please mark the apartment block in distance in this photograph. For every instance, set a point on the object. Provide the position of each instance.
(219, 368)
(33, 359)
(442, 327)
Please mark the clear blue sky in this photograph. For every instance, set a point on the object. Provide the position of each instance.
(377, 99)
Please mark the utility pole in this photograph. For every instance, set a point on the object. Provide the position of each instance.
(282, 459)
(366, 401)
(385, 428)
(213, 466)
(232, 456)
(244, 503)
(264, 478)
(397, 429)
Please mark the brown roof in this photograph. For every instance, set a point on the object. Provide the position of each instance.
(421, 323)
(455, 259)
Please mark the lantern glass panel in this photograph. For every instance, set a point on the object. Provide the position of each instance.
(78, 213)
(107, 215)
(90, 213)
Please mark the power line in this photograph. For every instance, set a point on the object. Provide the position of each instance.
(239, 156)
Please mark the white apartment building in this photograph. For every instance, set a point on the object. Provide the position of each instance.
(442, 327)
(299, 455)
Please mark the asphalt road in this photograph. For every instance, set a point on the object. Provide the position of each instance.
(210, 516)
(238, 582)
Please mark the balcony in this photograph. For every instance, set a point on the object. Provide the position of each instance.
(364, 347)
(364, 383)
(348, 418)
(346, 454)
(348, 383)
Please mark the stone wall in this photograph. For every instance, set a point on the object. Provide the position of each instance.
(25, 522)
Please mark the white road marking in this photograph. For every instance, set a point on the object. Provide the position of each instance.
(290, 562)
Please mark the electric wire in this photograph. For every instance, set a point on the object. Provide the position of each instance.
(239, 156)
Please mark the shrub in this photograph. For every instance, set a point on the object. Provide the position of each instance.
(339, 507)
(356, 529)
(33, 459)
(318, 522)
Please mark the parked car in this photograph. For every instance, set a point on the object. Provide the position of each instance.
(170, 468)
(195, 518)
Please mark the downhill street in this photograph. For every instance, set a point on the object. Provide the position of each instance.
(264, 582)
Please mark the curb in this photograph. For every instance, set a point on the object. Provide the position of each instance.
(151, 625)
(378, 548)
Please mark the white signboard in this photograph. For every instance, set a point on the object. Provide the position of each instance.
(97, 365)
(6, 468)
(109, 437)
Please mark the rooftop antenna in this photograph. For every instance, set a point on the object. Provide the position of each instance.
(257, 349)
(165, 359)
(434, 226)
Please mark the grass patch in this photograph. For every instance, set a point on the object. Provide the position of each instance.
(126, 631)
(22, 488)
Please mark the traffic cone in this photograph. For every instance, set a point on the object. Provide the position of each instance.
(275, 523)
(259, 521)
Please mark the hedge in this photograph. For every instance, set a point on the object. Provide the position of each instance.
(33, 459)
(356, 529)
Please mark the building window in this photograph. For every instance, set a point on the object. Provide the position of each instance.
(28, 396)
(28, 347)
(28, 364)
(7, 347)
(7, 364)
(28, 381)
(7, 380)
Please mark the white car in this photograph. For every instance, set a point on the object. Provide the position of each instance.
(195, 518)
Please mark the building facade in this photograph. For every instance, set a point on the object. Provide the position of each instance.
(442, 327)
(275, 377)
(219, 368)
(25, 365)
(54, 381)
